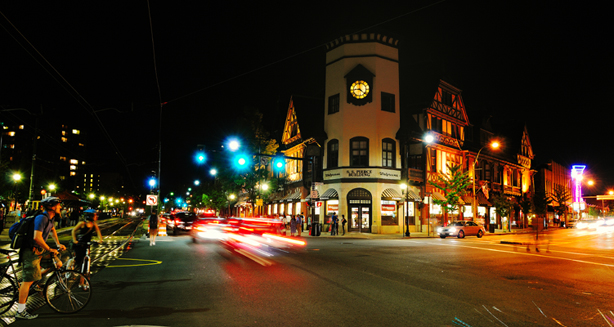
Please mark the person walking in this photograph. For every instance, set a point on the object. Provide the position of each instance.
(63, 215)
(33, 251)
(153, 227)
(299, 225)
(333, 221)
(292, 226)
(343, 222)
(74, 217)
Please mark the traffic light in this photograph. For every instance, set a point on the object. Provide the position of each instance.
(200, 158)
(240, 161)
(279, 163)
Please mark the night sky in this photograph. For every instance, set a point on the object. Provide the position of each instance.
(547, 63)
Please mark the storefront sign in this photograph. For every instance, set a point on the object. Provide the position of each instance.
(388, 207)
(375, 173)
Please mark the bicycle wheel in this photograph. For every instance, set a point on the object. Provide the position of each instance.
(9, 293)
(68, 291)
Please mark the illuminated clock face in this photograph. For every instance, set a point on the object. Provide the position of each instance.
(359, 89)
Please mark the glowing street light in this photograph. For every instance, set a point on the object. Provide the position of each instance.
(197, 182)
(213, 172)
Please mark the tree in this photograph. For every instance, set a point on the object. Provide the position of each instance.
(453, 186)
(526, 205)
(540, 204)
(561, 196)
(503, 206)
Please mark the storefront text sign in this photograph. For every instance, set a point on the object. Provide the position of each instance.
(374, 173)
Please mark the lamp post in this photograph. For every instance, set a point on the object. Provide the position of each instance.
(230, 198)
(474, 205)
(16, 178)
(405, 208)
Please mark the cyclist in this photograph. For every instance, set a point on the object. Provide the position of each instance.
(32, 253)
(82, 233)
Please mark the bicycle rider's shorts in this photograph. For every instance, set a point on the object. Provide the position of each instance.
(32, 265)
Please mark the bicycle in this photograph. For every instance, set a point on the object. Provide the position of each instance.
(66, 291)
(85, 265)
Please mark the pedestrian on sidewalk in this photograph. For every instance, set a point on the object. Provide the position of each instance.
(292, 226)
(153, 227)
(333, 222)
(74, 217)
(343, 222)
(299, 224)
(63, 214)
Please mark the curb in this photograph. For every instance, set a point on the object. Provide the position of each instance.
(515, 243)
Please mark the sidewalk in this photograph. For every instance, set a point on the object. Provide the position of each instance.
(498, 232)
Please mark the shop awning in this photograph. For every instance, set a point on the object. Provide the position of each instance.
(331, 193)
(390, 194)
(293, 196)
(483, 201)
(438, 196)
(467, 199)
(413, 196)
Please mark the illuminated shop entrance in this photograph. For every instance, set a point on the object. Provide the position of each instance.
(359, 205)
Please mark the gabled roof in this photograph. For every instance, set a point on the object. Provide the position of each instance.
(305, 114)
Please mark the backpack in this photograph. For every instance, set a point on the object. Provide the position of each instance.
(22, 232)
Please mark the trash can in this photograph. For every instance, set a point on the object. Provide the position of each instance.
(315, 229)
(491, 228)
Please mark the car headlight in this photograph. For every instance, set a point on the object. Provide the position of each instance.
(439, 229)
(452, 230)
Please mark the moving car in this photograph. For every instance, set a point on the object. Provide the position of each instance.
(209, 228)
(461, 229)
(180, 221)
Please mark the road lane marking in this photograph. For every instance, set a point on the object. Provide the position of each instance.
(565, 252)
(541, 255)
(149, 263)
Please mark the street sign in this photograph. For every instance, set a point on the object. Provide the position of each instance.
(314, 194)
(264, 161)
(259, 202)
(152, 200)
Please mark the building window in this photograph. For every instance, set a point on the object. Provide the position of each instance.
(64, 139)
(76, 131)
(359, 152)
(388, 153)
(333, 104)
(21, 127)
(387, 102)
(63, 158)
(446, 98)
(333, 154)
(74, 161)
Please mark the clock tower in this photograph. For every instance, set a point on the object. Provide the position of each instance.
(362, 166)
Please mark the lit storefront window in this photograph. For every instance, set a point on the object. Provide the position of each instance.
(289, 208)
(298, 208)
(389, 209)
(493, 215)
(332, 206)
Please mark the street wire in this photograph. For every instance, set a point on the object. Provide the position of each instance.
(68, 88)
(301, 53)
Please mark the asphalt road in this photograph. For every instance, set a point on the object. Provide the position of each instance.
(357, 282)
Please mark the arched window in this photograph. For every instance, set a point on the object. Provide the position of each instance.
(359, 152)
(388, 153)
(332, 155)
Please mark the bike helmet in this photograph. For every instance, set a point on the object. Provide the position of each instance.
(50, 201)
(89, 214)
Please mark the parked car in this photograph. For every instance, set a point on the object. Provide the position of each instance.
(180, 221)
(461, 229)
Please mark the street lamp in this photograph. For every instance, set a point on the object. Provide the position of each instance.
(197, 182)
(405, 208)
(231, 198)
(51, 188)
(16, 178)
(474, 206)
